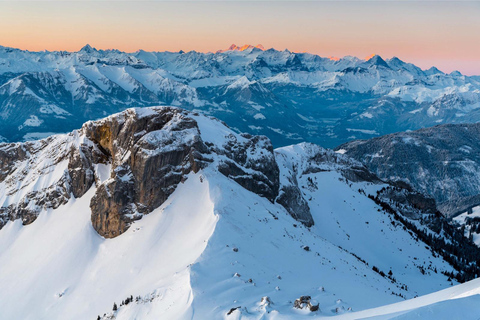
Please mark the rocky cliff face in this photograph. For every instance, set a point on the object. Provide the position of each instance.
(35, 176)
(135, 159)
(149, 154)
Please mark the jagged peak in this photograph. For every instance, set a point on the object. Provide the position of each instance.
(456, 73)
(376, 60)
(241, 83)
(334, 58)
(234, 47)
(433, 70)
(396, 60)
(88, 49)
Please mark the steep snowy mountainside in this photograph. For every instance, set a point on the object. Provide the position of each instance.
(194, 259)
(165, 213)
(328, 101)
(441, 161)
(406, 208)
(261, 251)
(66, 268)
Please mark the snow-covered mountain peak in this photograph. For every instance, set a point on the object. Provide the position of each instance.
(87, 49)
(433, 70)
(456, 73)
(376, 60)
(234, 47)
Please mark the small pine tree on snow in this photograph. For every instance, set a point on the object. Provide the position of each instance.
(115, 307)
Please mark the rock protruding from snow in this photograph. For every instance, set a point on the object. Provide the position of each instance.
(44, 174)
(306, 302)
(150, 152)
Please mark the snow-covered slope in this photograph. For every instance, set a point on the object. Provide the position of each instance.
(60, 267)
(205, 223)
(328, 101)
(459, 302)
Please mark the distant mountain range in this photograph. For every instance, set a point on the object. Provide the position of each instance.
(290, 97)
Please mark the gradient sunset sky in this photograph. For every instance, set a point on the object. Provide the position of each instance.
(444, 34)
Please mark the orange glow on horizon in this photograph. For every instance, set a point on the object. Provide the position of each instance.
(325, 28)
(334, 58)
(370, 56)
(234, 47)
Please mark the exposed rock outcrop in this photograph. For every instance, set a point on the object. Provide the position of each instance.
(306, 302)
(26, 171)
(148, 152)
(152, 151)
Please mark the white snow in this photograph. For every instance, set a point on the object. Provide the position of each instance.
(259, 116)
(459, 302)
(431, 111)
(60, 253)
(366, 115)
(53, 109)
(37, 135)
(461, 219)
(416, 111)
(365, 131)
(305, 118)
(32, 121)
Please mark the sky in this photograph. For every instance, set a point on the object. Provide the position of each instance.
(443, 34)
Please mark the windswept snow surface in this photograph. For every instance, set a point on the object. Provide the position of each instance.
(214, 246)
(59, 267)
(457, 303)
(257, 250)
